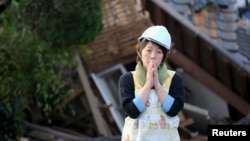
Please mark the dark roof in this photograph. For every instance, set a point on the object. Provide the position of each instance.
(236, 40)
(243, 40)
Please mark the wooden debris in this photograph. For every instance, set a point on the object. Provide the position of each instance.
(23, 139)
(124, 20)
(184, 121)
(100, 122)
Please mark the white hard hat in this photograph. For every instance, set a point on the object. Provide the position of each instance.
(157, 34)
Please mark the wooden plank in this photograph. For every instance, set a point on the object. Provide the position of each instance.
(47, 133)
(187, 122)
(200, 75)
(69, 132)
(23, 139)
(207, 57)
(190, 47)
(178, 44)
(241, 83)
(42, 135)
(224, 72)
(91, 99)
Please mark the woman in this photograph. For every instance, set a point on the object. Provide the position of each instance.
(151, 95)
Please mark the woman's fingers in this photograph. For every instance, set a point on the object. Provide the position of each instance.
(150, 71)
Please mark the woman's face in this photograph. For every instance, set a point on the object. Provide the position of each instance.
(151, 53)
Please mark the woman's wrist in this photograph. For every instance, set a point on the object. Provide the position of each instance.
(162, 94)
(157, 88)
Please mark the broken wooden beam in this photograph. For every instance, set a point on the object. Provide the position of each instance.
(99, 121)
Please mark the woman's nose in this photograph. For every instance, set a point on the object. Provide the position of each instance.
(153, 54)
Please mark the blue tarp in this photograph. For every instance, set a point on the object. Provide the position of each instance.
(247, 15)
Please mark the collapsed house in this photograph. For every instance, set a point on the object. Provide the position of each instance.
(204, 59)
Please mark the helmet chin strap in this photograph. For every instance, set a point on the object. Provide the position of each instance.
(142, 43)
(138, 54)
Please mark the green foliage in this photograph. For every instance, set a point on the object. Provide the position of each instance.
(11, 119)
(36, 56)
(33, 73)
(14, 85)
(64, 22)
